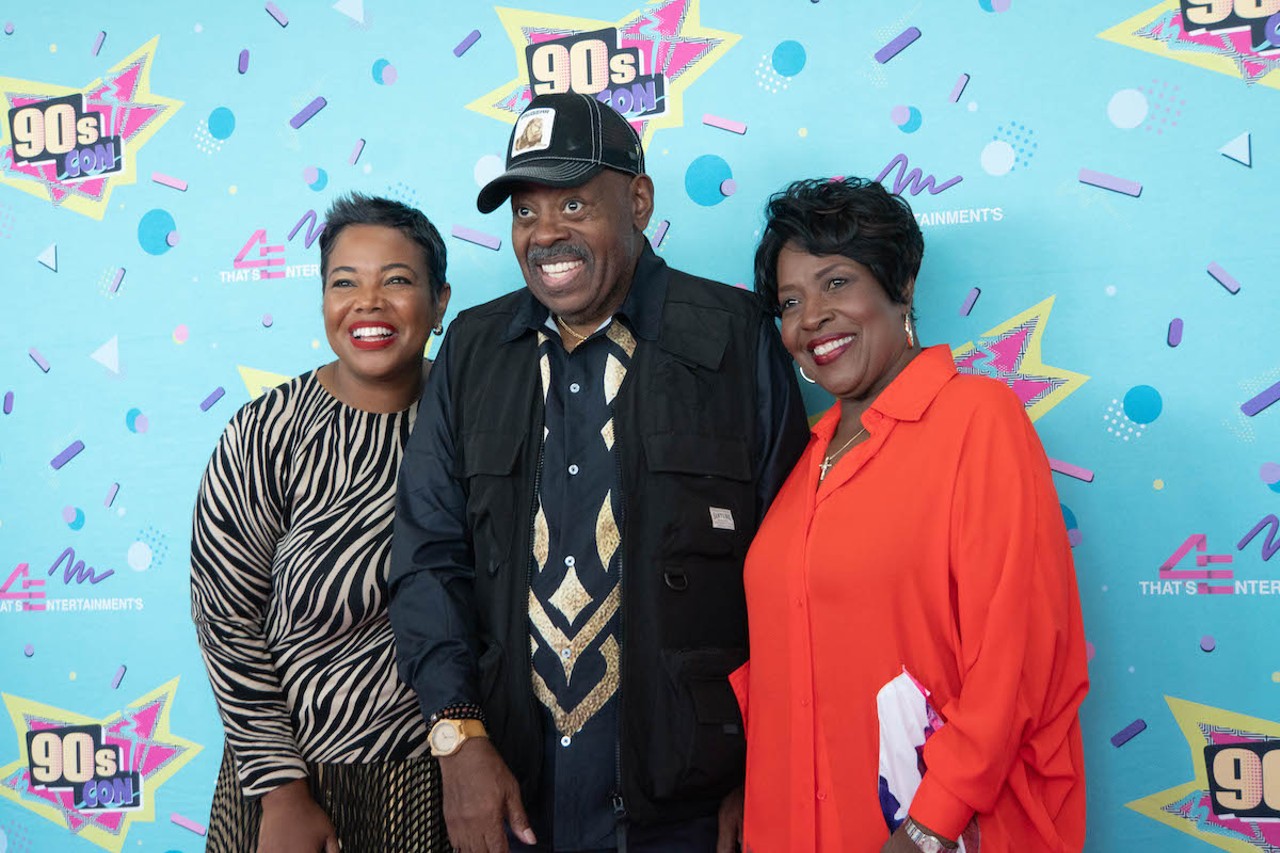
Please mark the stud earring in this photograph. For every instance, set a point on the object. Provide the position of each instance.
(438, 330)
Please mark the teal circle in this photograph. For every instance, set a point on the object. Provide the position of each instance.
(1143, 404)
(321, 181)
(789, 58)
(703, 178)
(1069, 517)
(153, 231)
(913, 122)
(222, 123)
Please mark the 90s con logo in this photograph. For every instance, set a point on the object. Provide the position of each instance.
(62, 132)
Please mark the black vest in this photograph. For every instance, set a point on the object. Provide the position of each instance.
(685, 430)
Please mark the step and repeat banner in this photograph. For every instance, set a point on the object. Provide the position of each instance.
(1096, 181)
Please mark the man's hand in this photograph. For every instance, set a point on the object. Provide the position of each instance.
(731, 822)
(292, 822)
(480, 796)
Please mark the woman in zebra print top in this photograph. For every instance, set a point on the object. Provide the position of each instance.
(289, 555)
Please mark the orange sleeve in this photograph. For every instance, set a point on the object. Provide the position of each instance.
(1017, 618)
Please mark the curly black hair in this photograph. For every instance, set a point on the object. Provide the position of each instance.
(853, 217)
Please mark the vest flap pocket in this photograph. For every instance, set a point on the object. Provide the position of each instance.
(699, 455)
(491, 453)
(713, 700)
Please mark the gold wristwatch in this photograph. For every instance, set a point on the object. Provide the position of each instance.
(447, 735)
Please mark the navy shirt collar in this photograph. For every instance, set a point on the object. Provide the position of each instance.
(642, 307)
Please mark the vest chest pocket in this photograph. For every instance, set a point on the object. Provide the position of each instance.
(488, 469)
(707, 494)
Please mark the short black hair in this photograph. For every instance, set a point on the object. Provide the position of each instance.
(853, 217)
(360, 209)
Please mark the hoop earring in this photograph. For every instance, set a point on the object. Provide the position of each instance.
(806, 376)
(906, 325)
(438, 330)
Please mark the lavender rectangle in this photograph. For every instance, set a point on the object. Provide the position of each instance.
(115, 282)
(274, 11)
(969, 300)
(465, 44)
(97, 45)
(304, 115)
(1260, 402)
(958, 89)
(243, 65)
(899, 44)
(1110, 182)
(111, 494)
(38, 359)
(1175, 332)
(356, 152)
(73, 450)
(1223, 277)
(8, 402)
(1128, 733)
(214, 396)
(478, 237)
(661, 233)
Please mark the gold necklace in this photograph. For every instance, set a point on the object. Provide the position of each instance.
(569, 329)
(829, 460)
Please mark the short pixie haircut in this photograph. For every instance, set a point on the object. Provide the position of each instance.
(853, 217)
(360, 209)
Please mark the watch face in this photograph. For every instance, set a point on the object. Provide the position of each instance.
(444, 737)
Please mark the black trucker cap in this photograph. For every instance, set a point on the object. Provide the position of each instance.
(564, 141)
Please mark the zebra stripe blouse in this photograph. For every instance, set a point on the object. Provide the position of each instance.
(290, 548)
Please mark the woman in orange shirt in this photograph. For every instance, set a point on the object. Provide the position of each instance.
(918, 658)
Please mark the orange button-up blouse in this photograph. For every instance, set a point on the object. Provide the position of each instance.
(937, 545)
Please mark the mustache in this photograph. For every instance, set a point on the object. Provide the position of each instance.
(537, 254)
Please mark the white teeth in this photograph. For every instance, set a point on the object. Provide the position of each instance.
(371, 332)
(560, 268)
(832, 346)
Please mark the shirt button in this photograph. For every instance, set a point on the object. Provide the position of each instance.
(805, 702)
(799, 601)
(566, 654)
(822, 795)
(569, 561)
(573, 469)
(575, 388)
(566, 740)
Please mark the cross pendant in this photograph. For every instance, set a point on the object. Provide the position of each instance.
(824, 468)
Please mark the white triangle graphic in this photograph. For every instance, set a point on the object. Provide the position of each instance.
(353, 9)
(108, 355)
(49, 257)
(1239, 149)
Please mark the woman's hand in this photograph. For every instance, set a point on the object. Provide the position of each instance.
(900, 842)
(292, 822)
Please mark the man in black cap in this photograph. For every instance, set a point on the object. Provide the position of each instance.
(591, 458)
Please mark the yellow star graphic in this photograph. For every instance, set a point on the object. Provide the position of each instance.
(124, 91)
(1222, 61)
(521, 25)
(152, 750)
(1186, 807)
(1011, 353)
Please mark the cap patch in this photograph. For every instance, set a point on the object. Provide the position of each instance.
(533, 131)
